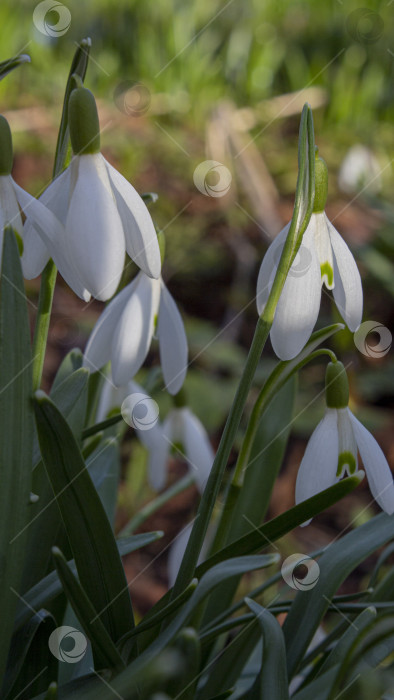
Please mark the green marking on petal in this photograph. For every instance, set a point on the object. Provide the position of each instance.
(327, 274)
(346, 459)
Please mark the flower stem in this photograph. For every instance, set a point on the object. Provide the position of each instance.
(48, 277)
(303, 207)
(207, 502)
(48, 281)
(267, 393)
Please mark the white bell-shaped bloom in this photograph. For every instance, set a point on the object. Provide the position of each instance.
(323, 258)
(332, 450)
(13, 201)
(124, 333)
(360, 171)
(181, 427)
(104, 217)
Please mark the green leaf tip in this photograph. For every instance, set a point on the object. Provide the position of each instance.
(6, 151)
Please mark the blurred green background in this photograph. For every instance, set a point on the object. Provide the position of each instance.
(179, 83)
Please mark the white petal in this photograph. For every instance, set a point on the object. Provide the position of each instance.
(378, 472)
(319, 464)
(53, 234)
(348, 292)
(94, 232)
(198, 449)
(9, 204)
(299, 302)
(324, 250)
(110, 397)
(98, 348)
(268, 268)
(35, 252)
(139, 231)
(158, 440)
(347, 447)
(134, 331)
(173, 342)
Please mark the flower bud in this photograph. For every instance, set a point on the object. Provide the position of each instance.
(6, 155)
(337, 386)
(84, 122)
(321, 184)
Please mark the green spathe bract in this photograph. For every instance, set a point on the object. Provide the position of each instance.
(321, 184)
(6, 154)
(84, 122)
(337, 386)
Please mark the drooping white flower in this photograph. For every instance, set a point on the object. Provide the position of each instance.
(333, 446)
(360, 170)
(102, 213)
(323, 258)
(124, 333)
(14, 200)
(181, 427)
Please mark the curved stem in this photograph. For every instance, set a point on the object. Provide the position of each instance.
(303, 206)
(267, 393)
(48, 277)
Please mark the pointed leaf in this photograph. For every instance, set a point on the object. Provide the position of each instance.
(98, 563)
(16, 436)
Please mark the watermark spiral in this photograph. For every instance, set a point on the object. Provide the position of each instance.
(212, 178)
(140, 411)
(300, 572)
(52, 18)
(364, 342)
(67, 644)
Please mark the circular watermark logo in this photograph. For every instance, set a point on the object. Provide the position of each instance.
(52, 18)
(300, 572)
(301, 262)
(364, 25)
(364, 340)
(132, 98)
(68, 644)
(140, 411)
(212, 178)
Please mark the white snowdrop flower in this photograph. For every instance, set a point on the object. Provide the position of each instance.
(102, 213)
(360, 170)
(14, 200)
(124, 332)
(333, 446)
(181, 427)
(323, 258)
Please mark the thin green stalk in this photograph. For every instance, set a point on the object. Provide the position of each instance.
(153, 506)
(303, 207)
(267, 393)
(98, 427)
(48, 277)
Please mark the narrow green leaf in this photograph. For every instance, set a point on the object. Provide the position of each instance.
(347, 640)
(16, 436)
(104, 650)
(336, 564)
(233, 567)
(104, 469)
(28, 656)
(272, 680)
(153, 620)
(46, 590)
(9, 65)
(98, 563)
(45, 527)
(274, 529)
